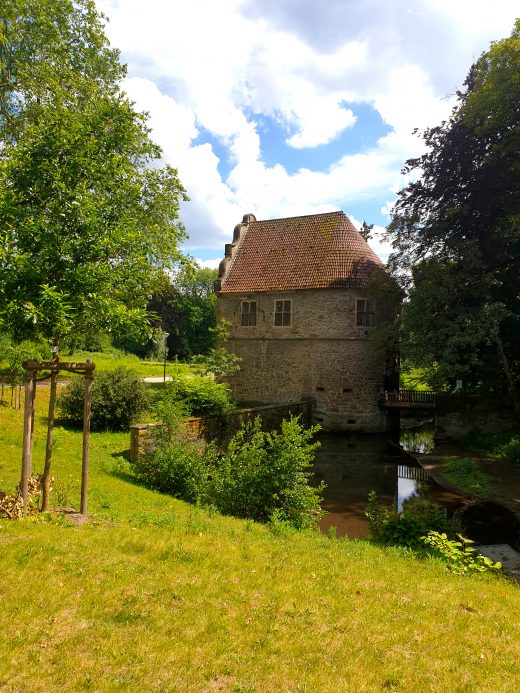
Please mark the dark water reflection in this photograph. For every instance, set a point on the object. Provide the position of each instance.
(352, 465)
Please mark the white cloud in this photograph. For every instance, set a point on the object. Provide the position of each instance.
(219, 66)
(210, 264)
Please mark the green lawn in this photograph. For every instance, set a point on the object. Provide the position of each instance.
(109, 360)
(106, 361)
(156, 595)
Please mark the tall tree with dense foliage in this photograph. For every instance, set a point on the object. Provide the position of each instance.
(456, 233)
(88, 219)
(187, 310)
(87, 223)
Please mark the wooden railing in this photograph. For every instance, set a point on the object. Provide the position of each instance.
(409, 398)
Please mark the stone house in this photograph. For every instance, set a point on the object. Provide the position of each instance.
(304, 298)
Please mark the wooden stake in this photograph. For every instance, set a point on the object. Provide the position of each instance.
(89, 376)
(27, 437)
(46, 479)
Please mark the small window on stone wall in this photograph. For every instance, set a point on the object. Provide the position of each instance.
(248, 313)
(365, 313)
(282, 313)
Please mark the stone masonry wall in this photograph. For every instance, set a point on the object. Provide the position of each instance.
(322, 355)
(457, 415)
(221, 430)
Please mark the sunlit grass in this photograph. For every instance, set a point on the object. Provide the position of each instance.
(155, 595)
(109, 360)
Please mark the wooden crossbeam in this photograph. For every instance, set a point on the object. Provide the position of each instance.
(71, 366)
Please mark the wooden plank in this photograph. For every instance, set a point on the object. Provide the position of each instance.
(27, 437)
(71, 366)
(86, 441)
(46, 479)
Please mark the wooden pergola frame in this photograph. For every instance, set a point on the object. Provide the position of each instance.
(32, 368)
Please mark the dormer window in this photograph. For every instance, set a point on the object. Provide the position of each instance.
(365, 313)
(248, 313)
(282, 313)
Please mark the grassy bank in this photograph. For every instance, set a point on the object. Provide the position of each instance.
(157, 595)
(464, 474)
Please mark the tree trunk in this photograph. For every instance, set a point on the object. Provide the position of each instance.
(509, 378)
(46, 479)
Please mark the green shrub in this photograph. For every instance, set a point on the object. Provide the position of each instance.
(486, 442)
(464, 474)
(407, 528)
(199, 396)
(510, 452)
(266, 475)
(459, 556)
(377, 516)
(261, 476)
(118, 397)
(434, 517)
(403, 529)
(179, 469)
(173, 465)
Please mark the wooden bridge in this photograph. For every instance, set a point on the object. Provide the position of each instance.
(408, 399)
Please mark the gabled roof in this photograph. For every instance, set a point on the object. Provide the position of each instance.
(311, 252)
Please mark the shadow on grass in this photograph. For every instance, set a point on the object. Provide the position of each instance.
(122, 469)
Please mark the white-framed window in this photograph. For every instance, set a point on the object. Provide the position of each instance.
(248, 313)
(365, 312)
(282, 313)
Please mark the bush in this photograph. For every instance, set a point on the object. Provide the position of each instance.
(262, 475)
(403, 529)
(118, 397)
(198, 396)
(14, 354)
(408, 527)
(178, 468)
(172, 465)
(510, 452)
(435, 517)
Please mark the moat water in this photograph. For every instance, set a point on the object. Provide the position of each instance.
(353, 465)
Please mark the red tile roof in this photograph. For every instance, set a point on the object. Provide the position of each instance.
(311, 252)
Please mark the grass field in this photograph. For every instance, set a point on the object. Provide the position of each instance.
(155, 595)
(109, 360)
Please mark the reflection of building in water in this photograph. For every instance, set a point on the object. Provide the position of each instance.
(412, 482)
(353, 465)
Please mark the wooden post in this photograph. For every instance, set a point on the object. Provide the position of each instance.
(27, 436)
(46, 479)
(89, 376)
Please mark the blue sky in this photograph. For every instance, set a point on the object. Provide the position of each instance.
(289, 107)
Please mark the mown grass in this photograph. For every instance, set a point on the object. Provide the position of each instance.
(156, 595)
(109, 360)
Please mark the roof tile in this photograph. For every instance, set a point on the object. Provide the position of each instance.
(310, 252)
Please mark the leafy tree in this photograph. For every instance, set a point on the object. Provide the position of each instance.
(85, 224)
(52, 53)
(366, 231)
(457, 232)
(88, 220)
(186, 309)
